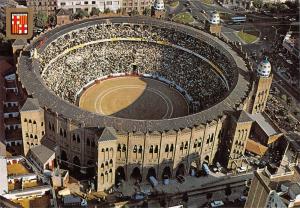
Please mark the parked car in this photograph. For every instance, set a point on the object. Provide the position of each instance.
(139, 196)
(217, 203)
(180, 179)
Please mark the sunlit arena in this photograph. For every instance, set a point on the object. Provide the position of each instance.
(129, 98)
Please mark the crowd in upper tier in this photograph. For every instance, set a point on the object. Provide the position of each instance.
(66, 72)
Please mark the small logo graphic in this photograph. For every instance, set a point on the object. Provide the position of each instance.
(19, 23)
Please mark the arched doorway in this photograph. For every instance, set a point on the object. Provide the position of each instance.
(63, 159)
(91, 169)
(180, 170)
(120, 175)
(206, 159)
(166, 172)
(76, 165)
(151, 172)
(136, 174)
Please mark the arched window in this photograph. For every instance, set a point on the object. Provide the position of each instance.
(35, 136)
(124, 148)
(236, 142)
(106, 163)
(78, 139)
(134, 149)
(151, 149)
(167, 148)
(156, 149)
(199, 144)
(34, 122)
(30, 121)
(31, 136)
(25, 120)
(171, 148)
(212, 138)
(42, 124)
(181, 146)
(31, 144)
(195, 144)
(65, 133)
(119, 148)
(103, 150)
(110, 161)
(102, 177)
(140, 149)
(106, 149)
(27, 135)
(102, 166)
(88, 143)
(234, 151)
(60, 132)
(186, 145)
(74, 137)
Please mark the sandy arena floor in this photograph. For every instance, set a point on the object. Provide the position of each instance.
(134, 98)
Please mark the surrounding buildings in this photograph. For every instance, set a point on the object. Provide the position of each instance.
(280, 189)
(46, 6)
(75, 5)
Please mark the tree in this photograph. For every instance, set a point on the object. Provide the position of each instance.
(106, 11)
(119, 11)
(228, 191)
(134, 13)
(52, 20)
(81, 14)
(40, 19)
(185, 197)
(209, 196)
(258, 4)
(147, 11)
(95, 11)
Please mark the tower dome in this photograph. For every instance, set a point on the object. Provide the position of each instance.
(264, 68)
(159, 5)
(215, 18)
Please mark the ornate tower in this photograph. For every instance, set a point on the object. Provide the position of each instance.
(213, 25)
(261, 87)
(158, 9)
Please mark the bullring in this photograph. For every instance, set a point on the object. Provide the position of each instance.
(118, 148)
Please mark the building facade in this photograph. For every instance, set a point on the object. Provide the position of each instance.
(48, 7)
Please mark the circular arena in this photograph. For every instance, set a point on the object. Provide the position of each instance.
(148, 97)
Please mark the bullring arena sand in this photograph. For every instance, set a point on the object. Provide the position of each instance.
(134, 98)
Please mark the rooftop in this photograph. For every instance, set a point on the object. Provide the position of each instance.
(42, 152)
(255, 147)
(264, 123)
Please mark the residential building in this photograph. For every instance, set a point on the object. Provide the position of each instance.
(280, 189)
(46, 6)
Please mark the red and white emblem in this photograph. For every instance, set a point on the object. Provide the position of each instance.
(19, 23)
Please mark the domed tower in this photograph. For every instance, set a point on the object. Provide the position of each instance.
(261, 87)
(213, 24)
(159, 5)
(158, 9)
(215, 18)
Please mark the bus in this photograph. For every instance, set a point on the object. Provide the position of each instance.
(238, 19)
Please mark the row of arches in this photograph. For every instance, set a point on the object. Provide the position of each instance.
(32, 121)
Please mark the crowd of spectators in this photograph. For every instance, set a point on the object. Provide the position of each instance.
(71, 71)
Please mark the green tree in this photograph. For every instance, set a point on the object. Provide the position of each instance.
(119, 11)
(134, 13)
(147, 11)
(209, 196)
(228, 191)
(106, 11)
(95, 11)
(258, 4)
(52, 20)
(40, 19)
(81, 14)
